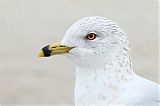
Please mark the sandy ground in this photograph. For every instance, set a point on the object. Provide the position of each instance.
(28, 25)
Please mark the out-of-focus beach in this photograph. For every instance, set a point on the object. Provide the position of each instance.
(28, 25)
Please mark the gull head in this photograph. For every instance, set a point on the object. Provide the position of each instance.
(90, 41)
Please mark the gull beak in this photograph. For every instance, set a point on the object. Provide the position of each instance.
(54, 49)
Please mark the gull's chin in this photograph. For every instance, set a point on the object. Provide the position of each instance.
(80, 52)
(86, 58)
(81, 57)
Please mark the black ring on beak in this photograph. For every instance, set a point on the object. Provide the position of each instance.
(46, 51)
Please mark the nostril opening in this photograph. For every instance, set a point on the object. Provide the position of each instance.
(61, 46)
(54, 46)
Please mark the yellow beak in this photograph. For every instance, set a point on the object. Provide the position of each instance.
(54, 49)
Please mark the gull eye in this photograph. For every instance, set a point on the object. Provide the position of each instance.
(91, 36)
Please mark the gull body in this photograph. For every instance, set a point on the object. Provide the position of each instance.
(104, 73)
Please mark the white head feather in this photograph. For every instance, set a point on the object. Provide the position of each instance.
(110, 41)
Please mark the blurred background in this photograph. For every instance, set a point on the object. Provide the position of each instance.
(28, 25)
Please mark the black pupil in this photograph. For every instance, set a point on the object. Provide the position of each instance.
(91, 35)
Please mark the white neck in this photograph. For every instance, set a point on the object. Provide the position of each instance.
(99, 85)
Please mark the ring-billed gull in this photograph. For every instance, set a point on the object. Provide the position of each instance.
(104, 74)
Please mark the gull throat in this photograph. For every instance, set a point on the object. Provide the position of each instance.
(102, 83)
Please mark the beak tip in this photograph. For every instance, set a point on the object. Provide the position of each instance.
(40, 53)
